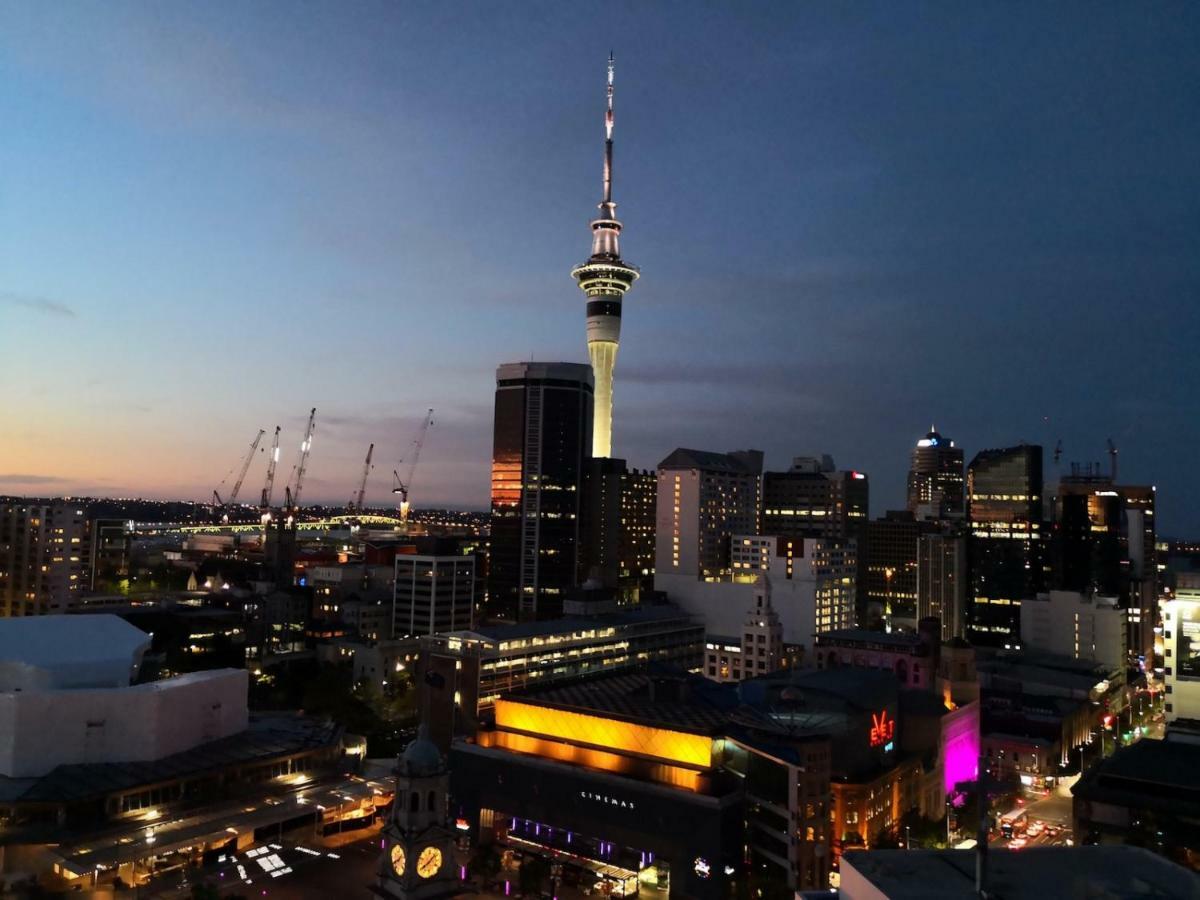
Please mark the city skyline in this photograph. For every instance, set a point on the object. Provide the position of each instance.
(853, 227)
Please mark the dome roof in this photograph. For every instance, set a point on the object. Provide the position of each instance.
(422, 756)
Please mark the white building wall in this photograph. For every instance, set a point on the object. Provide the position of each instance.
(43, 729)
(1080, 626)
(1181, 649)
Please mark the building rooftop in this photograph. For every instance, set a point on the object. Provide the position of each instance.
(63, 651)
(659, 697)
(633, 616)
(898, 640)
(266, 738)
(865, 689)
(684, 458)
(1162, 775)
(1097, 873)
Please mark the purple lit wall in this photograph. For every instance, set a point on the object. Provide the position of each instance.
(960, 738)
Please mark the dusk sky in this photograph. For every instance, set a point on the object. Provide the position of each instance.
(852, 220)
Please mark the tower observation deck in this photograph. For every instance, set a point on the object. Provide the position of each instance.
(604, 279)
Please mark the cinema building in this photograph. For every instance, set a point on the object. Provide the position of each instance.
(655, 780)
(649, 782)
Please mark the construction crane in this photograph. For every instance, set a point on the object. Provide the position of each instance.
(293, 497)
(402, 487)
(264, 505)
(1112, 458)
(356, 502)
(1058, 451)
(224, 505)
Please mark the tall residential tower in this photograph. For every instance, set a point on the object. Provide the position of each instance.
(604, 279)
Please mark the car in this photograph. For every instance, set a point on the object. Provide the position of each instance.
(1016, 843)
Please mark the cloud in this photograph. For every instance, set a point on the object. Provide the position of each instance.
(18, 478)
(37, 304)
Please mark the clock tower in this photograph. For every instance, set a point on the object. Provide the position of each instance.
(418, 848)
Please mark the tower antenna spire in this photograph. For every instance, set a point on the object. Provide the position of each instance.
(608, 132)
(604, 279)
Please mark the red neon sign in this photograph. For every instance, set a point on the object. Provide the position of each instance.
(883, 729)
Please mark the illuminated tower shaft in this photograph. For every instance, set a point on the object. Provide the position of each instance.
(604, 279)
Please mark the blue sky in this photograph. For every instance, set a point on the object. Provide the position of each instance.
(851, 219)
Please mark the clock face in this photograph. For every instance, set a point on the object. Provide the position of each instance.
(429, 862)
(398, 859)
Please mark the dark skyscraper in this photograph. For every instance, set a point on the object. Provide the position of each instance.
(887, 581)
(618, 526)
(813, 500)
(1004, 494)
(935, 479)
(1103, 541)
(541, 444)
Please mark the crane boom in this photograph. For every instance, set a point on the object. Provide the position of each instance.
(356, 502)
(237, 487)
(269, 486)
(402, 486)
(305, 447)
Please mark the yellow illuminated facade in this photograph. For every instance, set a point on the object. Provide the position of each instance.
(591, 731)
(592, 758)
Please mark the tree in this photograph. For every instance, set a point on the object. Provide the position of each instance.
(533, 874)
(486, 862)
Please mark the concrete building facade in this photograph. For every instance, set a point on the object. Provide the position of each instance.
(43, 557)
(433, 594)
(1076, 624)
(703, 500)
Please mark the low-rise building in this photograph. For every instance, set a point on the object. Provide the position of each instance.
(758, 650)
(912, 656)
(1031, 874)
(102, 777)
(464, 672)
(1147, 794)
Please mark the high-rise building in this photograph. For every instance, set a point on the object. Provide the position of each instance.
(108, 559)
(604, 279)
(617, 547)
(812, 499)
(542, 435)
(43, 549)
(703, 499)
(942, 581)
(639, 498)
(887, 555)
(1004, 493)
(432, 594)
(1103, 541)
(935, 479)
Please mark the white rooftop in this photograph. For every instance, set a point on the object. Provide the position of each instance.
(61, 652)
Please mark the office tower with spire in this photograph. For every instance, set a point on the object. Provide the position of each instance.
(935, 478)
(604, 279)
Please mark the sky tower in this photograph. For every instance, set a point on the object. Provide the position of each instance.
(605, 278)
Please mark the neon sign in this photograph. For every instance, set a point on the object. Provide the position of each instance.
(883, 729)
